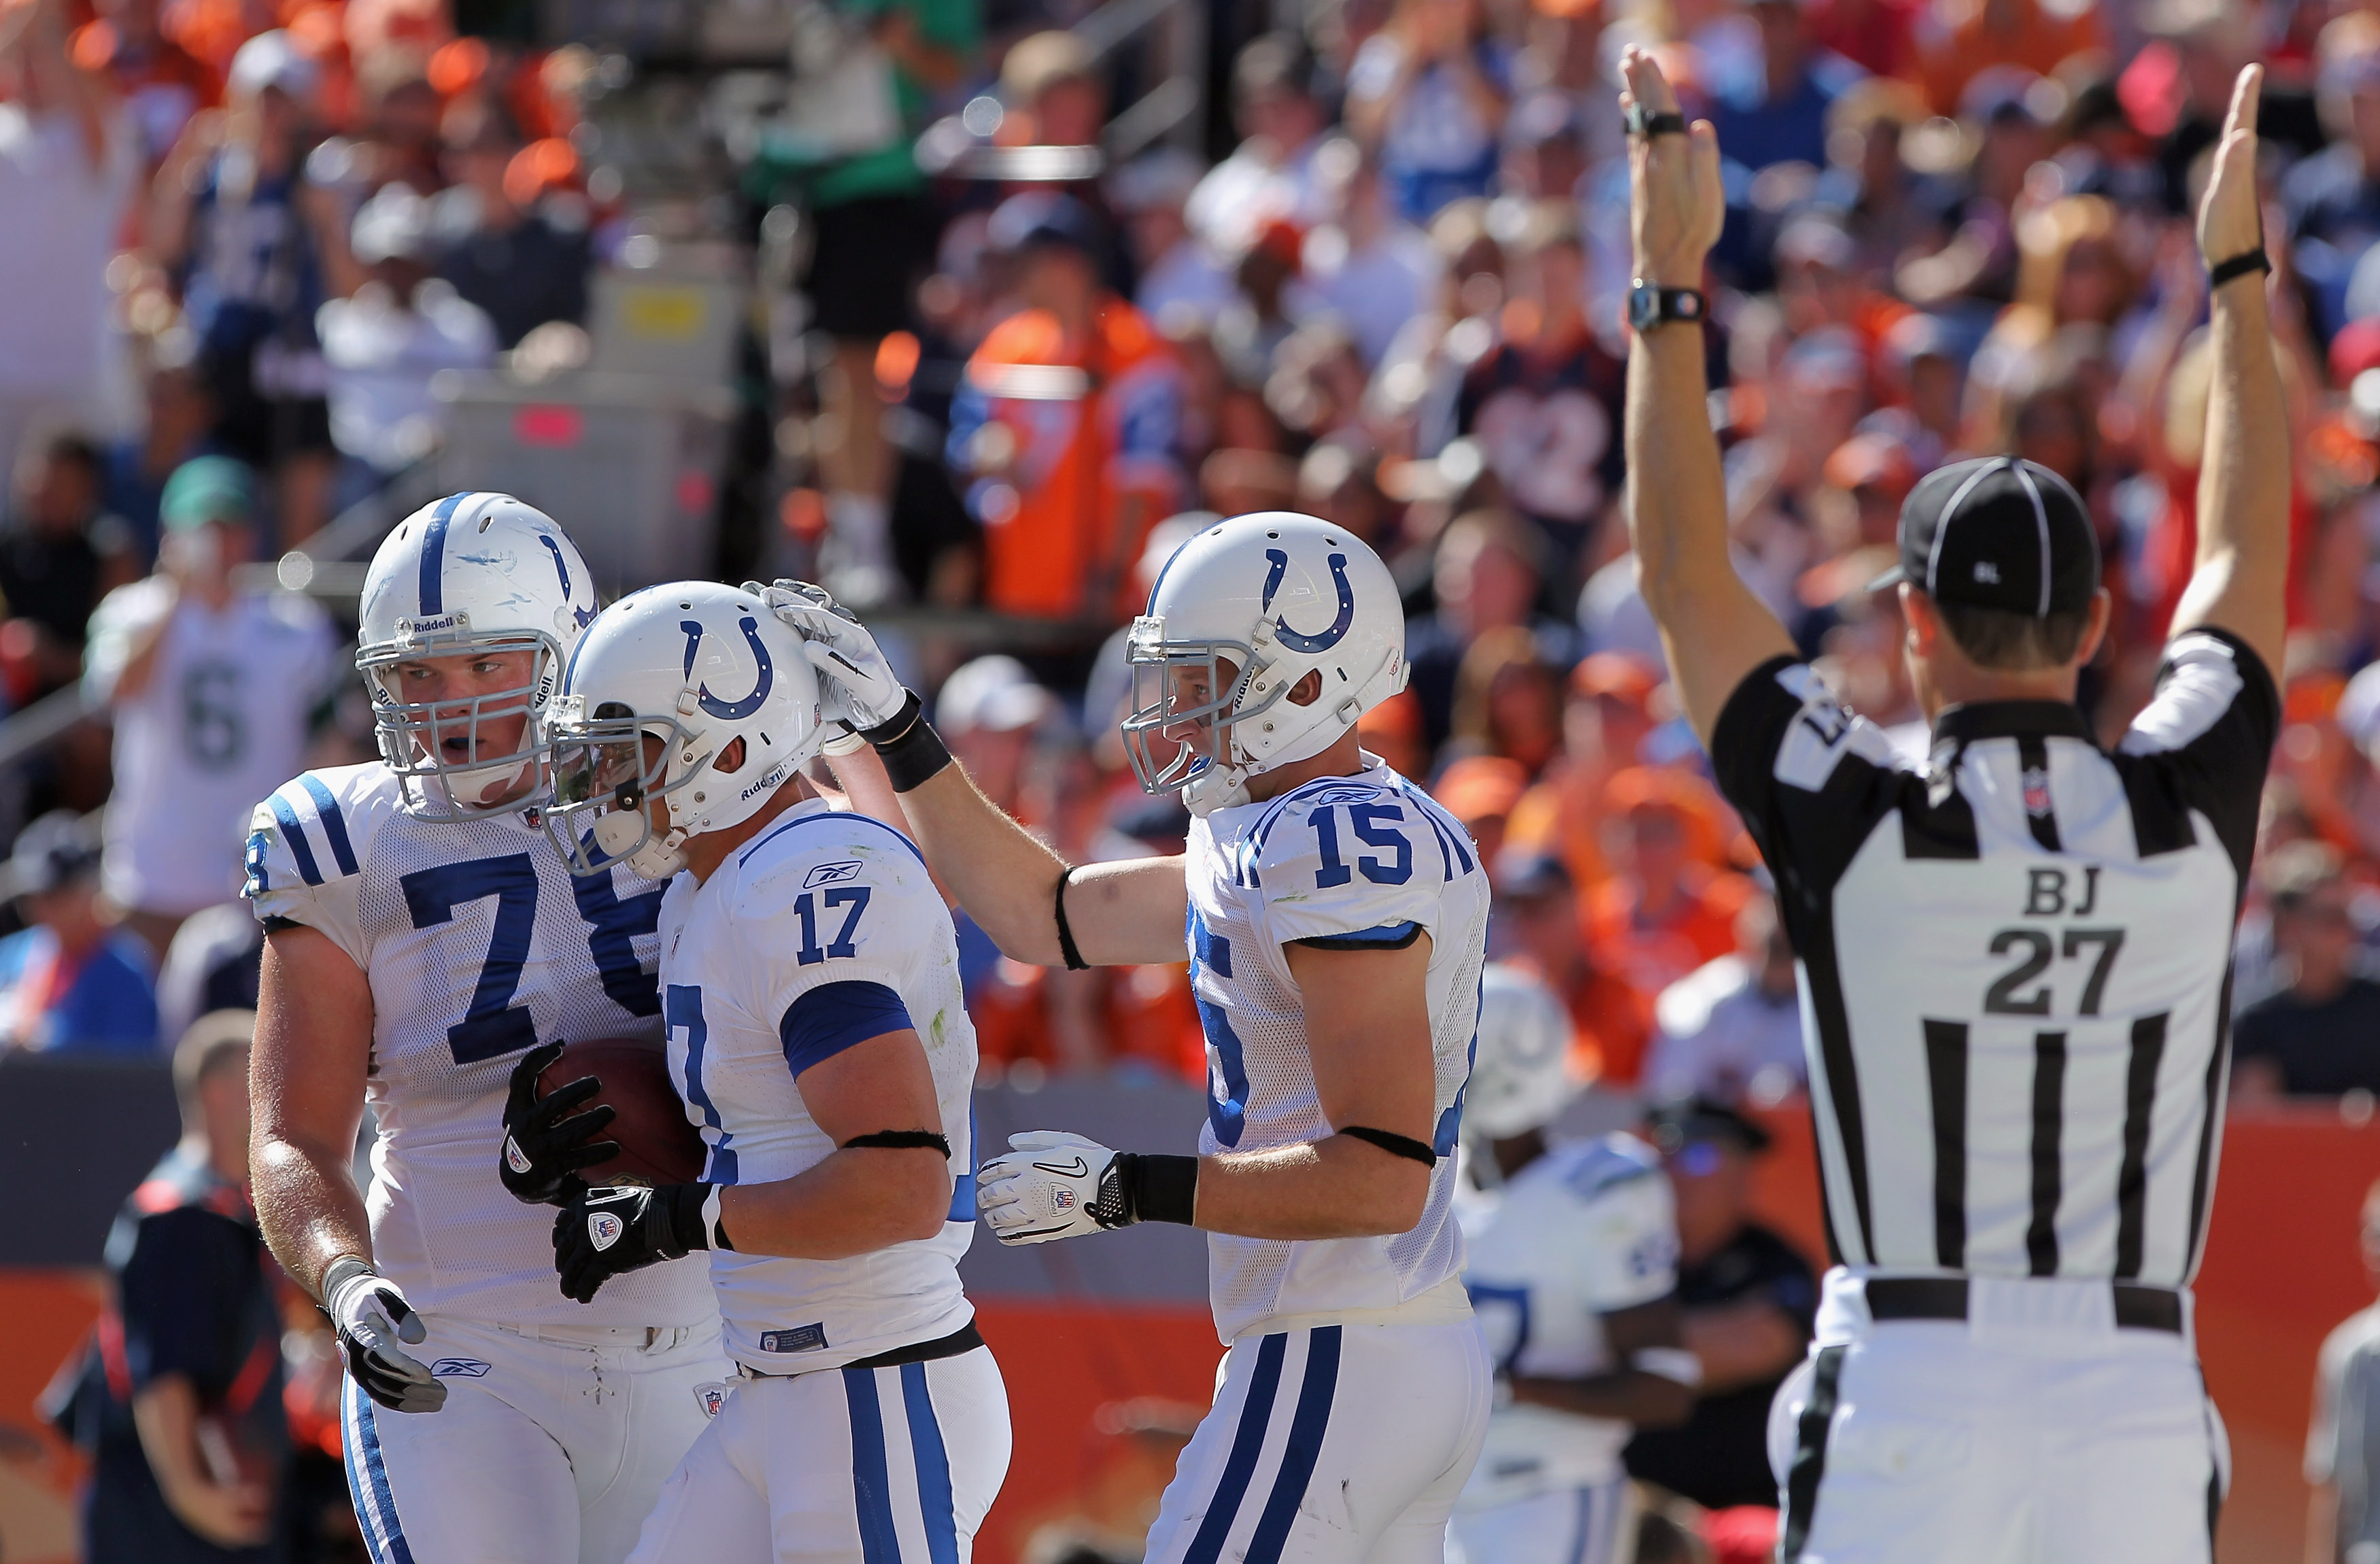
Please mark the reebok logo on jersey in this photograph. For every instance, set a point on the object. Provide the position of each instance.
(1077, 1168)
(603, 1229)
(831, 874)
(801, 1338)
(459, 1368)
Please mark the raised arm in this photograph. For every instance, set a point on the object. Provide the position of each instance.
(1713, 629)
(2240, 581)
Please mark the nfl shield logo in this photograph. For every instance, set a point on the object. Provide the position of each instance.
(604, 1229)
(712, 1397)
(2036, 792)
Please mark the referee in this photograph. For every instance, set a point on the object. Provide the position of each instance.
(2013, 959)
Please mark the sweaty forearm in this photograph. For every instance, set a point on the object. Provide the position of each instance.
(308, 1206)
(1005, 879)
(856, 1202)
(1337, 1187)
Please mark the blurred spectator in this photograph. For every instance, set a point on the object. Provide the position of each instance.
(2342, 1453)
(1479, 791)
(1367, 268)
(214, 964)
(520, 259)
(59, 554)
(401, 328)
(1750, 1301)
(1255, 321)
(988, 710)
(213, 688)
(257, 245)
(179, 1398)
(70, 982)
(1272, 173)
(1066, 502)
(1430, 91)
(1508, 702)
(1488, 577)
(161, 83)
(1779, 114)
(68, 161)
(1182, 277)
(1666, 910)
(1730, 1030)
(2333, 198)
(2024, 35)
(2319, 1035)
(175, 417)
(1539, 917)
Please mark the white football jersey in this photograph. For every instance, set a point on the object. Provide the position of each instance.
(823, 932)
(221, 719)
(1368, 859)
(1584, 1230)
(479, 946)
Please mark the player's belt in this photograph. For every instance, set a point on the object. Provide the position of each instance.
(1945, 1297)
(966, 1339)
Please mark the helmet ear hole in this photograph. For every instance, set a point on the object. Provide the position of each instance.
(731, 760)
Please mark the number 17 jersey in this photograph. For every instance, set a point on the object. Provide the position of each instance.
(479, 945)
(1366, 861)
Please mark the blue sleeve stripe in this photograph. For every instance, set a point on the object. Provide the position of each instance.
(334, 825)
(294, 834)
(1386, 934)
(834, 1016)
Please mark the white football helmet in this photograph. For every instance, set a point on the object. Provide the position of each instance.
(1241, 614)
(1520, 1072)
(472, 573)
(661, 685)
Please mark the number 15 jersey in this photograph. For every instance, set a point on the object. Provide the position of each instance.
(1344, 863)
(2014, 960)
(479, 945)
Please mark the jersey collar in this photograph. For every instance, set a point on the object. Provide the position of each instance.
(2011, 718)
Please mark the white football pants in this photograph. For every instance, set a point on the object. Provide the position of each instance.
(1584, 1525)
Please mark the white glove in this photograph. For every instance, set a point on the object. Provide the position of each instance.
(372, 1318)
(1054, 1185)
(856, 685)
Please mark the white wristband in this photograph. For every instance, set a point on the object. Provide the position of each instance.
(1669, 1363)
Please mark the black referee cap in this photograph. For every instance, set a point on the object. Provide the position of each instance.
(1998, 532)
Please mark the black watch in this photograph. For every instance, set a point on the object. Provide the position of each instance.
(1651, 305)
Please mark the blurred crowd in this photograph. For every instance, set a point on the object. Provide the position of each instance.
(1038, 342)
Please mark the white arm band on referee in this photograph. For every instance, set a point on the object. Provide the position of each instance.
(1669, 1363)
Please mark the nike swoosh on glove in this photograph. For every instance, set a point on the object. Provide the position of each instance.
(372, 1317)
(1052, 1185)
(545, 1143)
(604, 1232)
(856, 685)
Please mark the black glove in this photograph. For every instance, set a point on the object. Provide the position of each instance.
(544, 1149)
(603, 1233)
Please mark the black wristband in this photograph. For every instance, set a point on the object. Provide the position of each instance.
(900, 1140)
(1395, 1144)
(1642, 122)
(1160, 1189)
(1066, 946)
(912, 752)
(339, 1270)
(688, 1230)
(2223, 272)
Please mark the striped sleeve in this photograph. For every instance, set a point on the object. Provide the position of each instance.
(302, 863)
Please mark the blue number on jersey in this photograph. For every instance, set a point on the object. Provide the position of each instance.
(494, 1026)
(840, 947)
(682, 1005)
(1229, 1115)
(612, 940)
(1489, 1301)
(1365, 819)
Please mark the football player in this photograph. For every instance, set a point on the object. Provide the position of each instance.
(810, 980)
(424, 946)
(1336, 919)
(1573, 1271)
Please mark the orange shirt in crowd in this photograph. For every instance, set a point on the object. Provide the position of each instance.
(1960, 39)
(1649, 954)
(1086, 426)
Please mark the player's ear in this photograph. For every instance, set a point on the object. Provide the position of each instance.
(1917, 612)
(1309, 690)
(730, 758)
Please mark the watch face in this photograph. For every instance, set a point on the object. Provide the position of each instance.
(1644, 306)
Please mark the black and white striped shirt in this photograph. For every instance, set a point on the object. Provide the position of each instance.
(2015, 961)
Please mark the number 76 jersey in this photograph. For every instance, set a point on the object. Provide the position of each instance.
(478, 945)
(1344, 863)
(2014, 961)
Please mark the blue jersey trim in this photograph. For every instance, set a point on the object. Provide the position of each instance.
(294, 834)
(872, 1482)
(898, 835)
(368, 1481)
(1315, 1392)
(1247, 1443)
(1387, 936)
(936, 1506)
(834, 1016)
(432, 585)
(334, 825)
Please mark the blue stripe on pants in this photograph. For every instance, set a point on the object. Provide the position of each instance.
(1256, 1411)
(368, 1478)
(935, 1504)
(871, 1485)
(1306, 1430)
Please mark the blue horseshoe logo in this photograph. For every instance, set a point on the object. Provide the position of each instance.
(1296, 640)
(585, 616)
(731, 710)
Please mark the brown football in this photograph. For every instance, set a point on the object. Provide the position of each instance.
(658, 1144)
